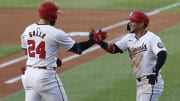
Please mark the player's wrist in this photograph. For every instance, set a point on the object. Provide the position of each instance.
(91, 38)
(155, 71)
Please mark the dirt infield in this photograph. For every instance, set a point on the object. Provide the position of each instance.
(14, 21)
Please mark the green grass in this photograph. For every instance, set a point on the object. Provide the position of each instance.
(171, 69)
(20, 3)
(95, 82)
(145, 5)
(6, 50)
(109, 78)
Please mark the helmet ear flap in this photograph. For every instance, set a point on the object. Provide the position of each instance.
(128, 27)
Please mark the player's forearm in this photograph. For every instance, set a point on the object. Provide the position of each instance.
(109, 47)
(161, 60)
(78, 48)
(86, 44)
(104, 45)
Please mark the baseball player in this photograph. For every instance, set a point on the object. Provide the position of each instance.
(41, 41)
(147, 54)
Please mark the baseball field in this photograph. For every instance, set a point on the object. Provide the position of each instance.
(96, 75)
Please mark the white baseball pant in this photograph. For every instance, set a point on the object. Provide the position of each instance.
(42, 84)
(147, 92)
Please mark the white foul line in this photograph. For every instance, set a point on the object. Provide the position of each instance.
(13, 61)
(156, 11)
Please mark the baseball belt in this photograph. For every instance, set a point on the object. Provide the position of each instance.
(44, 67)
(141, 78)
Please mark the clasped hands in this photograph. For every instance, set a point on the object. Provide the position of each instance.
(97, 36)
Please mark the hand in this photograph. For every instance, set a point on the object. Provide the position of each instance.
(59, 62)
(22, 70)
(98, 37)
(153, 77)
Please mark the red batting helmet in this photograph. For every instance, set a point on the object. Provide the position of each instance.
(139, 16)
(48, 10)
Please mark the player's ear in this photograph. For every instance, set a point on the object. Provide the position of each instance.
(142, 24)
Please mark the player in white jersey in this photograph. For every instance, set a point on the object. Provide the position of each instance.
(147, 54)
(41, 41)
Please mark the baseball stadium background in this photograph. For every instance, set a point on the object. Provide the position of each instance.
(96, 75)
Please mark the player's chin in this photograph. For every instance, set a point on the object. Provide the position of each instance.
(131, 31)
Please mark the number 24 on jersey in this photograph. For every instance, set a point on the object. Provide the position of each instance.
(33, 50)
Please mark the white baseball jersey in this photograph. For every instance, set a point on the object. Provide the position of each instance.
(142, 52)
(42, 43)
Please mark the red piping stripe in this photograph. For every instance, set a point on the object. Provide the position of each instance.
(152, 92)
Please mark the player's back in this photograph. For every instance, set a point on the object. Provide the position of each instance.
(41, 44)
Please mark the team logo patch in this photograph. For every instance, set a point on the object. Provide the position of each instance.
(160, 45)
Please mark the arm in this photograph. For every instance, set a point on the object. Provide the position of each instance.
(78, 48)
(110, 47)
(94, 37)
(161, 58)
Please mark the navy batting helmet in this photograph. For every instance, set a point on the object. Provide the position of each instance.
(139, 16)
(48, 10)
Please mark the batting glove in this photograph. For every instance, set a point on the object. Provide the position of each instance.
(58, 62)
(153, 77)
(98, 37)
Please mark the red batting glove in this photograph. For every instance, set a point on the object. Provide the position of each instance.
(59, 62)
(102, 34)
(98, 37)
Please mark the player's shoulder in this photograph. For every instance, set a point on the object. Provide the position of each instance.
(152, 35)
(52, 30)
(58, 31)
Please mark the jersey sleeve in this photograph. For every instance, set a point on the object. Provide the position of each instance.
(157, 45)
(122, 44)
(64, 40)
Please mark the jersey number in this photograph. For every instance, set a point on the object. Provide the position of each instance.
(39, 50)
